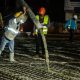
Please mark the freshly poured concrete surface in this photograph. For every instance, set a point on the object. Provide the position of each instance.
(64, 61)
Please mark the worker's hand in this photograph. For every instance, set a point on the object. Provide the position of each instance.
(40, 26)
(33, 34)
(25, 9)
(44, 27)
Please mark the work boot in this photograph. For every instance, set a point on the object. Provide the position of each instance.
(1, 57)
(12, 57)
(0, 52)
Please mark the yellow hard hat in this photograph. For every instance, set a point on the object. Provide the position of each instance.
(18, 14)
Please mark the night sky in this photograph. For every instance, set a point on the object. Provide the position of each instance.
(55, 8)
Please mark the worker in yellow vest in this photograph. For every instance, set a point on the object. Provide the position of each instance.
(44, 20)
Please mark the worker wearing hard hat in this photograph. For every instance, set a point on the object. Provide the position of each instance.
(12, 29)
(44, 20)
(71, 26)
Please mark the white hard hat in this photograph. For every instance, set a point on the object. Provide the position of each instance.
(75, 17)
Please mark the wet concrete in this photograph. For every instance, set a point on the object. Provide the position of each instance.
(64, 60)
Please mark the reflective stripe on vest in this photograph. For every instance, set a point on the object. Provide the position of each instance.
(45, 30)
(69, 26)
(13, 31)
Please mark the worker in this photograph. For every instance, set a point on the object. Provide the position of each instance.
(44, 20)
(71, 26)
(11, 31)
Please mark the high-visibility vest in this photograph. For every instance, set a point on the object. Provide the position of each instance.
(44, 28)
(69, 26)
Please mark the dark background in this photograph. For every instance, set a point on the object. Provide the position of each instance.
(75, 0)
(55, 8)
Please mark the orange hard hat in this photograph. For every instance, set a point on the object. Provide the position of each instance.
(42, 11)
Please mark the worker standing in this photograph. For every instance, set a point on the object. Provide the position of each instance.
(44, 20)
(11, 31)
(71, 26)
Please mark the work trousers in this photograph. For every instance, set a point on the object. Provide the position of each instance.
(39, 45)
(71, 34)
(9, 42)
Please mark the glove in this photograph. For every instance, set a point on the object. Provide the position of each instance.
(40, 26)
(44, 27)
(21, 21)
